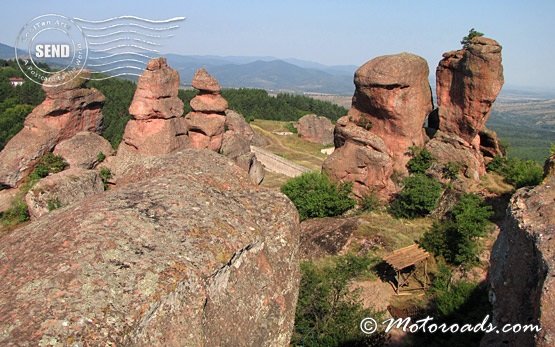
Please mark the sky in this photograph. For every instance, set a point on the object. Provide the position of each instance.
(332, 32)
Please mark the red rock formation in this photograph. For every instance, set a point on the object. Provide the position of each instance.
(205, 82)
(521, 276)
(82, 150)
(62, 189)
(206, 123)
(468, 82)
(315, 129)
(213, 126)
(236, 123)
(67, 110)
(209, 103)
(449, 148)
(157, 127)
(360, 157)
(391, 101)
(394, 95)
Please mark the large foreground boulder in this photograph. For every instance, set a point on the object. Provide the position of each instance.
(188, 253)
(521, 276)
(68, 109)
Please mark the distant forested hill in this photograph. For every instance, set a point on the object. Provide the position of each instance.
(258, 104)
(527, 136)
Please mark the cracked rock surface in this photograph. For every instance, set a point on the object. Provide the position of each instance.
(189, 252)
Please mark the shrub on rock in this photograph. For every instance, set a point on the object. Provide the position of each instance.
(315, 195)
(457, 238)
(419, 197)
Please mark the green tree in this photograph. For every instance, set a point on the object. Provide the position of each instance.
(315, 195)
(449, 296)
(11, 121)
(468, 38)
(421, 160)
(419, 197)
(517, 172)
(119, 94)
(457, 238)
(328, 313)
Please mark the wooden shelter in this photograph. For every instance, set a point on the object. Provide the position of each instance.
(404, 258)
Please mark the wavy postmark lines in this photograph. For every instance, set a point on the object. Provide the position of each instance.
(50, 39)
(119, 46)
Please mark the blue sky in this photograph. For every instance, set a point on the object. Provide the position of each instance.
(333, 32)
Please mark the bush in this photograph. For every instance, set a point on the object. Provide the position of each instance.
(48, 164)
(315, 195)
(17, 213)
(419, 197)
(365, 123)
(105, 176)
(327, 313)
(468, 38)
(451, 170)
(370, 202)
(517, 172)
(54, 204)
(291, 127)
(100, 157)
(421, 160)
(457, 238)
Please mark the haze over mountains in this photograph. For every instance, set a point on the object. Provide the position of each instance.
(270, 73)
(291, 74)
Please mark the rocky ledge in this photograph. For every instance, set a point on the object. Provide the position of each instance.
(521, 275)
(188, 253)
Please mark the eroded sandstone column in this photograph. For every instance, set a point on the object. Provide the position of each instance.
(391, 102)
(157, 126)
(207, 121)
(468, 82)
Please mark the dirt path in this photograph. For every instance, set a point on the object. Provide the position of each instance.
(275, 163)
(275, 140)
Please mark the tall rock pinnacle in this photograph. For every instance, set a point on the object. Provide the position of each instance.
(391, 102)
(157, 127)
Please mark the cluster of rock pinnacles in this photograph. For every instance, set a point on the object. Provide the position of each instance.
(391, 103)
(69, 120)
(393, 100)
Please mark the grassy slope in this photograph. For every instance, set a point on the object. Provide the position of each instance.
(290, 147)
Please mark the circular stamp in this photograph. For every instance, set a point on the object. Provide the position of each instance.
(53, 40)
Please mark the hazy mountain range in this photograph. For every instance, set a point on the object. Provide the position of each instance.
(268, 73)
(289, 75)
